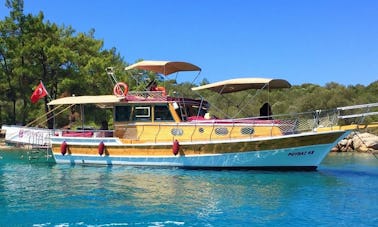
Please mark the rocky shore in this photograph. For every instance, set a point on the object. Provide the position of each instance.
(358, 142)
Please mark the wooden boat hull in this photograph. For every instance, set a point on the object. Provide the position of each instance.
(299, 151)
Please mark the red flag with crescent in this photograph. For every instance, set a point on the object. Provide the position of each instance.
(39, 93)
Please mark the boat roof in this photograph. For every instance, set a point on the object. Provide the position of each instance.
(241, 84)
(101, 100)
(164, 67)
(109, 100)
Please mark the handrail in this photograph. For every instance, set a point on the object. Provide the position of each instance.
(212, 131)
(358, 106)
(357, 115)
(232, 128)
(146, 95)
(157, 133)
(194, 131)
(364, 110)
(141, 132)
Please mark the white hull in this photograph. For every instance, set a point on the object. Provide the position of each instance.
(22, 135)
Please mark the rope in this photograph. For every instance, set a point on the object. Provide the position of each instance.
(369, 151)
(53, 109)
(44, 115)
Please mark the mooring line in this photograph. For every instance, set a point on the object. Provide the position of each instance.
(369, 150)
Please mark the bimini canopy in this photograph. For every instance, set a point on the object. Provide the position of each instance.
(164, 67)
(100, 100)
(240, 84)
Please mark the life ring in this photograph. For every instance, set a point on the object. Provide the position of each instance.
(162, 90)
(120, 89)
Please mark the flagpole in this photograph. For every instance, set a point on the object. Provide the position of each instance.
(48, 95)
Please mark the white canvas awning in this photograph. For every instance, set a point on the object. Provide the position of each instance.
(240, 84)
(101, 100)
(164, 67)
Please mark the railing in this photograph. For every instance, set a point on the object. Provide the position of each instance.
(213, 129)
(226, 129)
(146, 95)
(84, 133)
(358, 111)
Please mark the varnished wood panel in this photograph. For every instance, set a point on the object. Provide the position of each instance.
(211, 148)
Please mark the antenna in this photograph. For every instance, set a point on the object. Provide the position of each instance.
(111, 75)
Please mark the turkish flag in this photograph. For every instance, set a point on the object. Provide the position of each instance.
(39, 93)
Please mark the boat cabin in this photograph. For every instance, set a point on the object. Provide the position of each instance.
(175, 110)
(152, 115)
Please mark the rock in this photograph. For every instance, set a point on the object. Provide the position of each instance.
(344, 145)
(364, 142)
(357, 141)
(373, 146)
(335, 149)
(343, 142)
(362, 148)
(360, 142)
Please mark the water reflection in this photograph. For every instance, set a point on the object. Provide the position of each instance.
(204, 194)
(100, 194)
(26, 156)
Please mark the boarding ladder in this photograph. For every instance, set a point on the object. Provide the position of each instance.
(39, 145)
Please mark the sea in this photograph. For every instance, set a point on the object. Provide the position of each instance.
(34, 191)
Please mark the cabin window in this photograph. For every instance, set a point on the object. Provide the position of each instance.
(177, 132)
(247, 131)
(162, 113)
(122, 113)
(142, 113)
(221, 131)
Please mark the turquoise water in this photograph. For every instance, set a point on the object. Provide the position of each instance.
(36, 192)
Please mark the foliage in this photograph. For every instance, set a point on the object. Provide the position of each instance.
(68, 63)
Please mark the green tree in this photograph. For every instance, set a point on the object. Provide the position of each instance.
(67, 62)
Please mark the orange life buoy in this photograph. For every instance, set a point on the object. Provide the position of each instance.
(162, 89)
(120, 89)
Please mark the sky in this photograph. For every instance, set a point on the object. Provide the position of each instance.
(302, 41)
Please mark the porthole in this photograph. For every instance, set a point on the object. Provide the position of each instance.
(247, 131)
(221, 131)
(177, 131)
(201, 130)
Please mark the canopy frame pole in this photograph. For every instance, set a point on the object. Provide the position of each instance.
(257, 92)
(111, 75)
(195, 78)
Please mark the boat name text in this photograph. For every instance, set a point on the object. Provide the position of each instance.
(300, 153)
